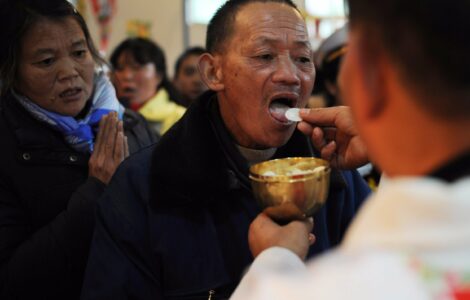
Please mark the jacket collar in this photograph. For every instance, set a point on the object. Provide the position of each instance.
(196, 160)
(188, 160)
(455, 169)
(36, 143)
(160, 107)
(30, 133)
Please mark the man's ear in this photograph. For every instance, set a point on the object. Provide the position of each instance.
(373, 68)
(211, 73)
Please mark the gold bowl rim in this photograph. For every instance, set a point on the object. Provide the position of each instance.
(288, 178)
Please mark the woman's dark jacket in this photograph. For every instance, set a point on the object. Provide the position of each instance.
(173, 223)
(47, 204)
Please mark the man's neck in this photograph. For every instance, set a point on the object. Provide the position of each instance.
(254, 156)
(431, 145)
(405, 138)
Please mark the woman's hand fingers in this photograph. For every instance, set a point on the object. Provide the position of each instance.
(126, 147)
(118, 146)
(111, 134)
(99, 138)
(110, 149)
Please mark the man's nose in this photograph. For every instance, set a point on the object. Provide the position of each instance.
(286, 71)
(126, 73)
(68, 69)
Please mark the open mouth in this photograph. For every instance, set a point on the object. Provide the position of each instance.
(72, 92)
(129, 90)
(279, 106)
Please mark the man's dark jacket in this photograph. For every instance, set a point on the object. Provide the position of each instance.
(174, 222)
(47, 204)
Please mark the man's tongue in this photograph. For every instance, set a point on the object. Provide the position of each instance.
(278, 111)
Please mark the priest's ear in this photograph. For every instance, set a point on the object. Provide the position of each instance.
(211, 73)
(364, 66)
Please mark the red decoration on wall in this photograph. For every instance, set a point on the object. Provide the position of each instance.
(317, 27)
(104, 11)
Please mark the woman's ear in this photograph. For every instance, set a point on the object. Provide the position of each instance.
(211, 73)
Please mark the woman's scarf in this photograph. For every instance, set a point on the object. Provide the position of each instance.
(80, 134)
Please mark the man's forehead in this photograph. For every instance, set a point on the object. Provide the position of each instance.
(261, 20)
(259, 6)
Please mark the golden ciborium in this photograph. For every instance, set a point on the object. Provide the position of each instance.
(302, 181)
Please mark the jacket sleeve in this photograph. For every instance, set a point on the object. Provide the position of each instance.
(121, 264)
(278, 274)
(42, 261)
(138, 132)
(355, 195)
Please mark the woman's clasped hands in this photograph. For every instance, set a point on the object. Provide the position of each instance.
(110, 148)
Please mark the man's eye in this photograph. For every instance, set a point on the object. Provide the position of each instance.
(79, 53)
(266, 57)
(304, 59)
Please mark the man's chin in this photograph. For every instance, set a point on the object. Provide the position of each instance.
(276, 141)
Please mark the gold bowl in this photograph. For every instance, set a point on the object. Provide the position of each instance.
(303, 181)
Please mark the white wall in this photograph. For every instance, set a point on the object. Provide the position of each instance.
(166, 17)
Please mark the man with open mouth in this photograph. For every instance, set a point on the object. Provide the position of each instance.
(174, 222)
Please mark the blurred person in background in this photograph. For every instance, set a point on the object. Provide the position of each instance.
(187, 79)
(328, 59)
(179, 230)
(63, 133)
(139, 74)
(406, 77)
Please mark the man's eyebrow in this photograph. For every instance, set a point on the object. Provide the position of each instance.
(79, 43)
(303, 43)
(263, 40)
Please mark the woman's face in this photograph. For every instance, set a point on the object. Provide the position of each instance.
(55, 67)
(133, 81)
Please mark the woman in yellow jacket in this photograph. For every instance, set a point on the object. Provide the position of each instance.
(139, 75)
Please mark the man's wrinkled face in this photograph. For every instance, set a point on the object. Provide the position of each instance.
(267, 67)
